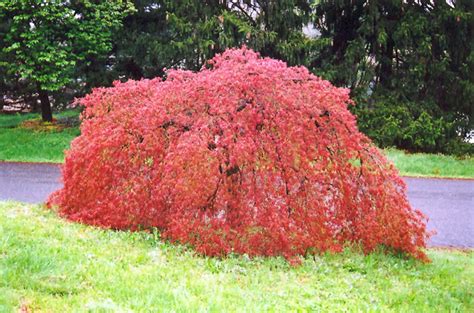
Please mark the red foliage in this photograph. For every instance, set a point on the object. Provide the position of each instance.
(246, 156)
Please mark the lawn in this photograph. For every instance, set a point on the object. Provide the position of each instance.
(50, 265)
(431, 165)
(25, 145)
(21, 144)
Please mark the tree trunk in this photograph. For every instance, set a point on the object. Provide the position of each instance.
(46, 113)
(386, 61)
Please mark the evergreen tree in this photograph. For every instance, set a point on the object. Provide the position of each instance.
(408, 63)
(184, 34)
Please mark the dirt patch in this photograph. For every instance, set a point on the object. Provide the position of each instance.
(39, 125)
(56, 125)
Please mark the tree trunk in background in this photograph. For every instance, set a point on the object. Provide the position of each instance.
(386, 63)
(46, 113)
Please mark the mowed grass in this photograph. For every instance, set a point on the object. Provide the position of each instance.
(431, 165)
(25, 145)
(50, 265)
(20, 144)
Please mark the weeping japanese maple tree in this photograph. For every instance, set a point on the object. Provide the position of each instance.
(247, 155)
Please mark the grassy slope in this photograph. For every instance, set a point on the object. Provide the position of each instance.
(25, 145)
(431, 165)
(18, 144)
(49, 264)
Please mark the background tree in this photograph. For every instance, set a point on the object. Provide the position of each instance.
(409, 65)
(184, 34)
(44, 41)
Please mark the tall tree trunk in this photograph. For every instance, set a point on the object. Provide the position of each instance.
(386, 63)
(46, 113)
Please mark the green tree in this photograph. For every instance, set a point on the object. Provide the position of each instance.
(44, 41)
(409, 65)
(184, 34)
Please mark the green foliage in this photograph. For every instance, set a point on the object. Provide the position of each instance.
(414, 126)
(44, 41)
(183, 34)
(391, 122)
(409, 65)
(47, 39)
(51, 265)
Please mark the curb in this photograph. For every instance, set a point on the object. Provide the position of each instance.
(30, 163)
(438, 177)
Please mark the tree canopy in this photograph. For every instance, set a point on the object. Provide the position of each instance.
(43, 42)
(409, 63)
(184, 34)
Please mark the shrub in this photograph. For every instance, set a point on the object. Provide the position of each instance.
(246, 156)
(408, 125)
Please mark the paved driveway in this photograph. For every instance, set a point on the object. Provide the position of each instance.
(28, 182)
(449, 204)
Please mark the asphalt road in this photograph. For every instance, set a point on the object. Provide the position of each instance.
(448, 203)
(28, 182)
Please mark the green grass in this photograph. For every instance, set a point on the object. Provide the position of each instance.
(24, 145)
(431, 165)
(51, 265)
